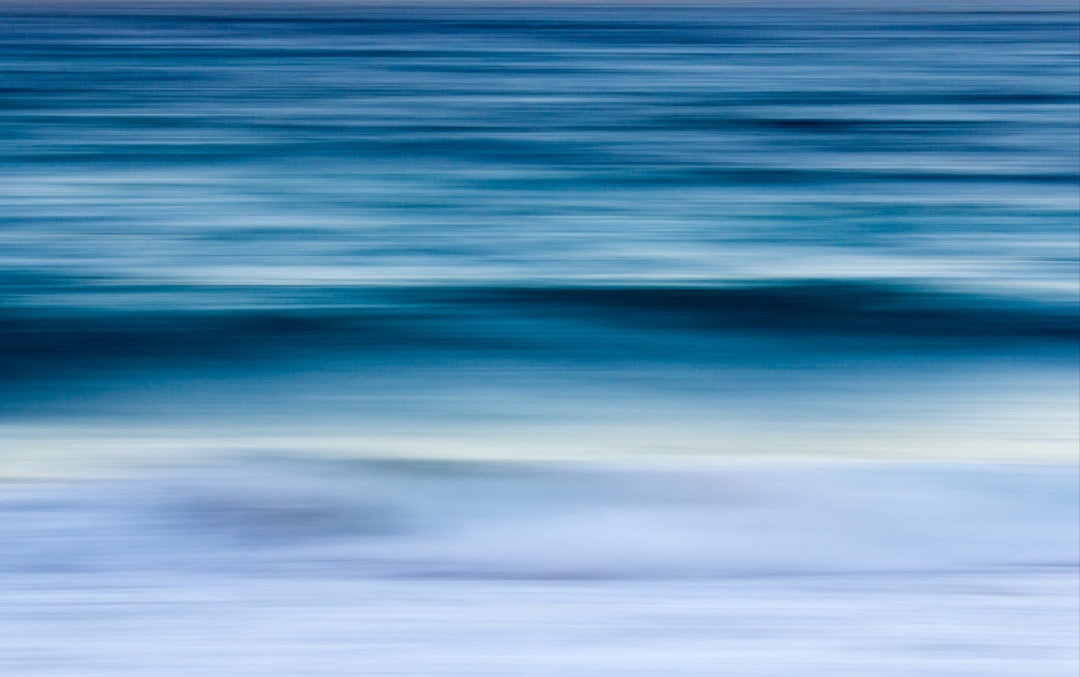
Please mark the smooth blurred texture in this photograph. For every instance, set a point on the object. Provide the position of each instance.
(731, 229)
(733, 339)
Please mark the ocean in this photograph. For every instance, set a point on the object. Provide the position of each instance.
(539, 339)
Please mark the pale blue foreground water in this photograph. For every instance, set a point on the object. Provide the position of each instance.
(973, 625)
(539, 341)
(294, 566)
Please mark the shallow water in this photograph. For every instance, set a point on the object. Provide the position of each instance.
(986, 625)
(291, 566)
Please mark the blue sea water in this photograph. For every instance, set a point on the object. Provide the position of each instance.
(374, 217)
(525, 339)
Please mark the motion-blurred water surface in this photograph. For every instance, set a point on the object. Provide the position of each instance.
(452, 239)
(722, 228)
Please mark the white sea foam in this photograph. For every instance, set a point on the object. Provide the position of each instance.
(288, 566)
(508, 520)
